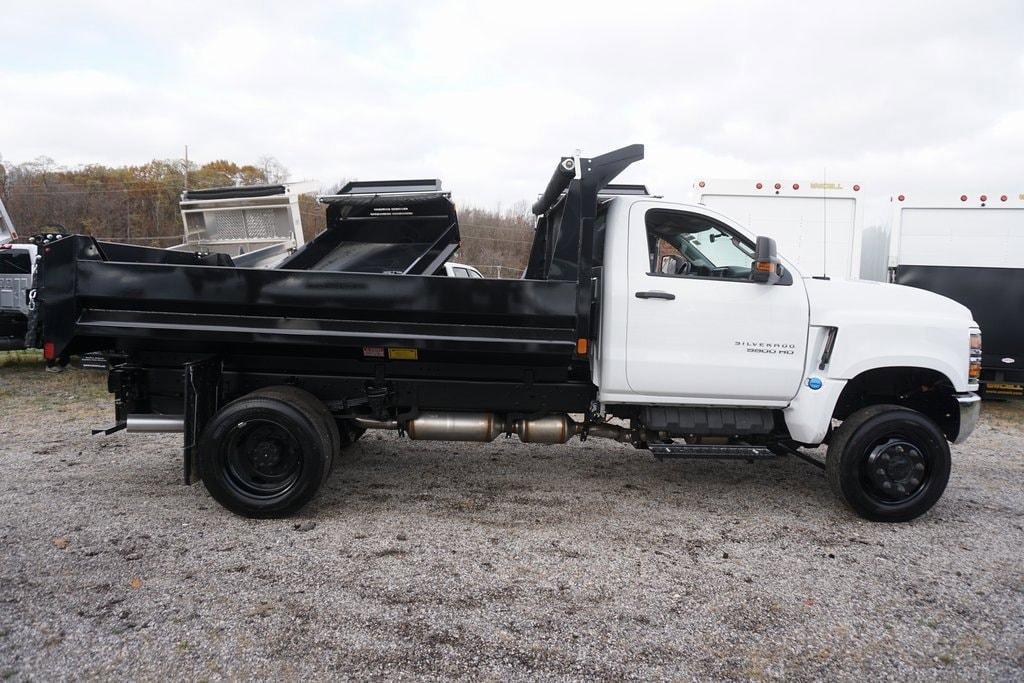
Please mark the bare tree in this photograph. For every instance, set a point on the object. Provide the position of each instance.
(273, 170)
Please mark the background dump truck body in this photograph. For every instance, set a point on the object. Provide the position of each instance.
(257, 225)
(816, 224)
(970, 250)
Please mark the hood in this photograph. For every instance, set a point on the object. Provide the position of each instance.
(832, 300)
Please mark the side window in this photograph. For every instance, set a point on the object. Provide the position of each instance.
(686, 244)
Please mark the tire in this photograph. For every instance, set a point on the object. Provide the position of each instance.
(314, 406)
(265, 455)
(888, 463)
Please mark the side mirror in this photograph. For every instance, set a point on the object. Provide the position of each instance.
(766, 268)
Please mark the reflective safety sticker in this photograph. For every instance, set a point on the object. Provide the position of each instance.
(399, 353)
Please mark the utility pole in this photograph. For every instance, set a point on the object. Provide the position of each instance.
(186, 167)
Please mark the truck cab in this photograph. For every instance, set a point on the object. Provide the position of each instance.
(455, 269)
(17, 269)
(703, 332)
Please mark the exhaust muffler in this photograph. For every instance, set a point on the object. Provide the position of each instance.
(455, 427)
(485, 427)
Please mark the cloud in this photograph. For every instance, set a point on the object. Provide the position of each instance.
(487, 96)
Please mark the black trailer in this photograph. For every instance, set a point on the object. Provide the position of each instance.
(995, 297)
(968, 248)
(269, 372)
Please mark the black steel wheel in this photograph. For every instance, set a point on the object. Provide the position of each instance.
(264, 456)
(889, 463)
(314, 407)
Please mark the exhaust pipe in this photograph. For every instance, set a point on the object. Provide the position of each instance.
(484, 427)
(436, 426)
(614, 432)
(370, 423)
(155, 423)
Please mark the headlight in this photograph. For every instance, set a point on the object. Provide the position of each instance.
(974, 360)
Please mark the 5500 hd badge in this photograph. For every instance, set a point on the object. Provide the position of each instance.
(773, 348)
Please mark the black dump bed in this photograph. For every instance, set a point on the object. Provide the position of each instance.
(361, 291)
(151, 299)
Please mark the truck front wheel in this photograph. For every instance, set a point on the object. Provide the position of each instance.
(265, 455)
(888, 463)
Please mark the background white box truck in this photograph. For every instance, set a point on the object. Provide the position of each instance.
(816, 224)
(970, 248)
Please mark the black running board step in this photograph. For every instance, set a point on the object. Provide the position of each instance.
(720, 451)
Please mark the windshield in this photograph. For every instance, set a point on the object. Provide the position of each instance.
(15, 262)
(716, 247)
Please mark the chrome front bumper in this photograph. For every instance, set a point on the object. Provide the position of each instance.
(970, 411)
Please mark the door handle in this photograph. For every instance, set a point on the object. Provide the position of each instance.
(655, 295)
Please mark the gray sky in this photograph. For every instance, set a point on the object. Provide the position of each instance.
(900, 96)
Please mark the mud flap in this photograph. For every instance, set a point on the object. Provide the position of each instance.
(202, 399)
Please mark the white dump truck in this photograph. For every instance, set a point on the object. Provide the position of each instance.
(653, 322)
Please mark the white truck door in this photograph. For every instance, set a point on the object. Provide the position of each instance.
(698, 329)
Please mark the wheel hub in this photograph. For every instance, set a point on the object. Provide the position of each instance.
(263, 458)
(266, 455)
(897, 469)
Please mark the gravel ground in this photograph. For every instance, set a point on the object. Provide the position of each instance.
(502, 561)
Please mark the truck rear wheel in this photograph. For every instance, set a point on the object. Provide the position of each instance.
(314, 406)
(888, 463)
(265, 454)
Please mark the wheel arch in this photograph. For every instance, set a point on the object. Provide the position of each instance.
(926, 390)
